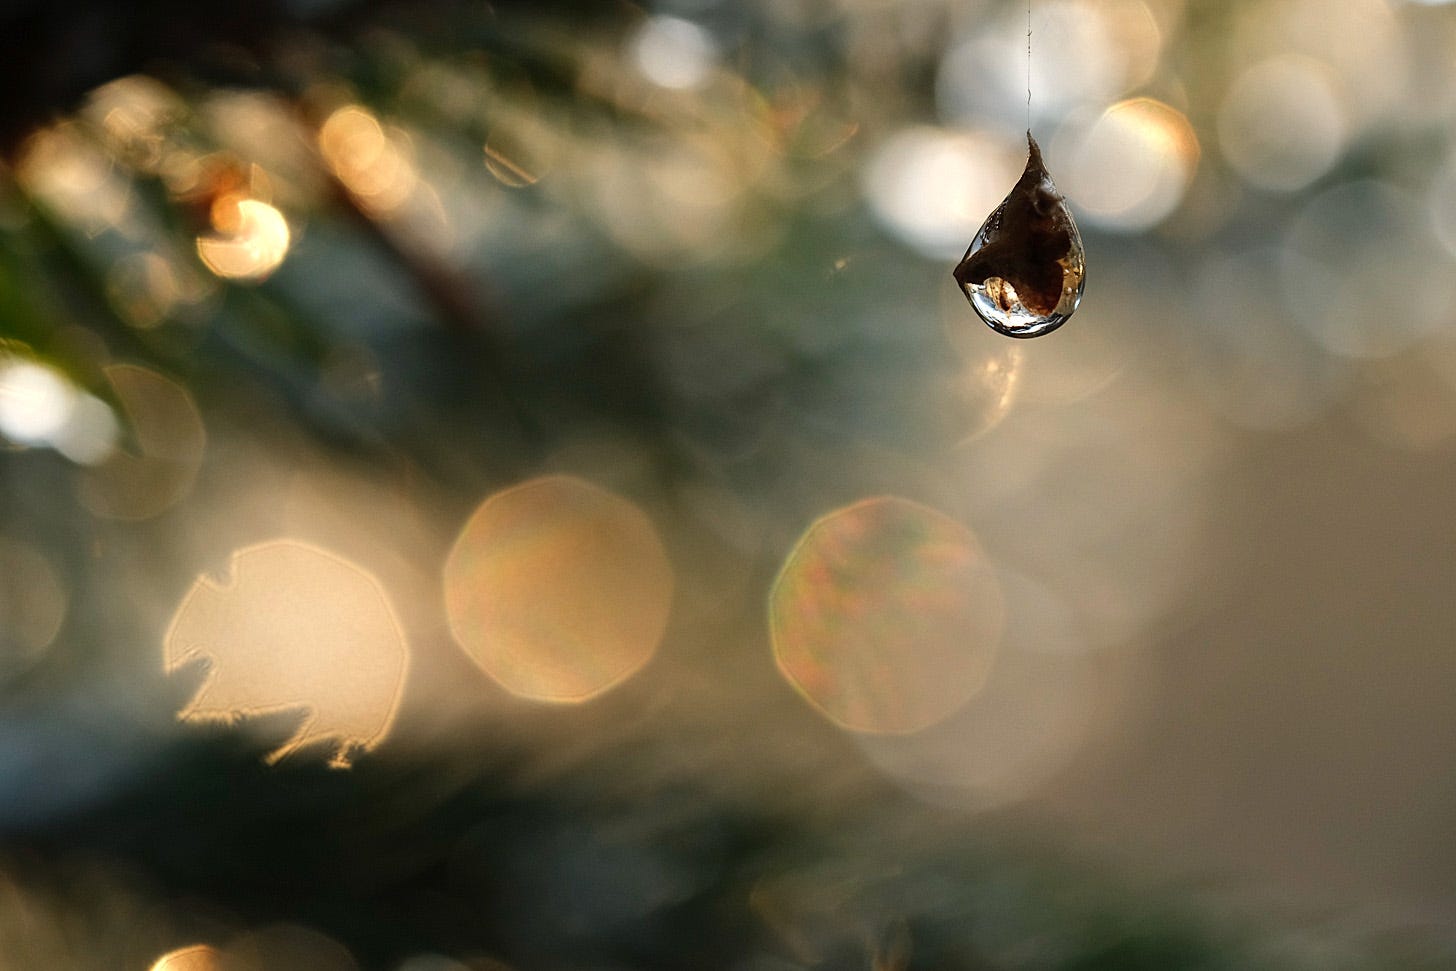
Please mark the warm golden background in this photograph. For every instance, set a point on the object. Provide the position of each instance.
(516, 486)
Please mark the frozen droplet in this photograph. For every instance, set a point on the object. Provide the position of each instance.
(1025, 271)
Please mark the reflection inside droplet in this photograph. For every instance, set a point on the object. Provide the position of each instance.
(1024, 272)
(558, 589)
(886, 616)
(294, 628)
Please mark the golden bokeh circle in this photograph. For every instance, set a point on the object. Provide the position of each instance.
(886, 616)
(558, 589)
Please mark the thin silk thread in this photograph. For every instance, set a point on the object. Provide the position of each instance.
(1028, 65)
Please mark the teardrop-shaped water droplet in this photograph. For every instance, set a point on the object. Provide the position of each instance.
(1025, 270)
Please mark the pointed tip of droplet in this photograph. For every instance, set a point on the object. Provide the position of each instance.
(1035, 167)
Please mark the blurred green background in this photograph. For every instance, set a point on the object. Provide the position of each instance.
(509, 485)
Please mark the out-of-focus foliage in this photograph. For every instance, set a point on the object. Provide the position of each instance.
(541, 454)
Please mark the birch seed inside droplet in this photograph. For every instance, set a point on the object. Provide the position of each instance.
(1025, 269)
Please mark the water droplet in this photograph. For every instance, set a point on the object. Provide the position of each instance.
(1024, 272)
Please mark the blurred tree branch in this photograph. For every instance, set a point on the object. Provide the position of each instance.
(54, 51)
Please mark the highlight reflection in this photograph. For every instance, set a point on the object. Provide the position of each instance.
(886, 616)
(40, 406)
(135, 114)
(674, 53)
(294, 627)
(558, 589)
(74, 178)
(372, 162)
(1130, 168)
(35, 402)
(933, 187)
(251, 240)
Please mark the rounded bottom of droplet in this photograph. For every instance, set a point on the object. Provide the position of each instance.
(1016, 320)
